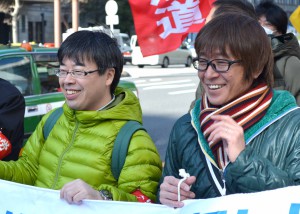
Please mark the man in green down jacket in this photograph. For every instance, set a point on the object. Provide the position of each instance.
(76, 156)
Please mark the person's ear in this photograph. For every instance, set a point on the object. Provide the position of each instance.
(110, 74)
(256, 74)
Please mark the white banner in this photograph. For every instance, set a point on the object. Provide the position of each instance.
(17, 198)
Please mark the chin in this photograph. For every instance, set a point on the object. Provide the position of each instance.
(72, 105)
(216, 101)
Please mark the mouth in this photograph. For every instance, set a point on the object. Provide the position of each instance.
(215, 86)
(71, 92)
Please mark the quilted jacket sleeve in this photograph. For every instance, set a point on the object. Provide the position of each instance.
(271, 161)
(141, 171)
(24, 170)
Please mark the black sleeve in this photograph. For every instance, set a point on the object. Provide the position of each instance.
(12, 109)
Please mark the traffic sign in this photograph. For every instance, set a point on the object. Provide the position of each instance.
(111, 9)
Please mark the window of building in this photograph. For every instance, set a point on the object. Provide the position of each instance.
(30, 31)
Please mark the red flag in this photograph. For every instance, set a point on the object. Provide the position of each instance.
(162, 25)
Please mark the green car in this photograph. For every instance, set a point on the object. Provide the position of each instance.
(33, 73)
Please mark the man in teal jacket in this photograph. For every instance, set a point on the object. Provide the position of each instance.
(76, 156)
(242, 136)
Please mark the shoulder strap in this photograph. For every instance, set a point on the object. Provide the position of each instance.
(51, 120)
(121, 145)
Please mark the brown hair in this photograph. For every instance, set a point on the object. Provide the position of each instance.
(244, 38)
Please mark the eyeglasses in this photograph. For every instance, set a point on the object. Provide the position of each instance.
(218, 65)
(76, 74)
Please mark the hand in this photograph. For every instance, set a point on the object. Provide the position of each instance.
(232, 135)
(77, 190)
(169, 193)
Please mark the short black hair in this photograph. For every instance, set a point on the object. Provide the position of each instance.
(94, 46)
(274, 14)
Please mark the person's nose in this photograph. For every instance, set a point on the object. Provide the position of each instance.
(210, 72)
(69, 78)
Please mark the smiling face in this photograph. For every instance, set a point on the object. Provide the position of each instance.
(222, 88)
(234, 37)
(88, 93)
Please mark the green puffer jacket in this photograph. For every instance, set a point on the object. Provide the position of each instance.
(271, 159)
(80, 146)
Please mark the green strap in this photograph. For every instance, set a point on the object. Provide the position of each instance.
(121, 145)
(51, 120)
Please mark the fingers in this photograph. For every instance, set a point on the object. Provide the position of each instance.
(76, 191)
(70, 194)
(224, 127)
(228, 131)
(169, 191)
(191, 180)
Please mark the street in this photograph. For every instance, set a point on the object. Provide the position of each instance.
(165, 95)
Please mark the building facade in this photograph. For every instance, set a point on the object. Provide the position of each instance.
(35, 22)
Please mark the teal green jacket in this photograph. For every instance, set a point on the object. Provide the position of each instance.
(270, 160)
(80, 147)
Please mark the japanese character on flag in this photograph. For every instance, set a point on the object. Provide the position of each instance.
(5, 146)
(162, 25)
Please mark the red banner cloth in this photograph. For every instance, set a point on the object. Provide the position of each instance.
(162, 25)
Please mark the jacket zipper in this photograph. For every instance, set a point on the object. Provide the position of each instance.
(63, 154)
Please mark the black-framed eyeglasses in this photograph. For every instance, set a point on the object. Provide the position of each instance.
(218, 65)
(76, 74)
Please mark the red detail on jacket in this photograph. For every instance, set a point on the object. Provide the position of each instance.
(5, 146)
(141, 197)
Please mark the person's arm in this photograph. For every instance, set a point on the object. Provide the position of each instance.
(24, 170)
(12, 108)
(140, 173)
(138, 179)
(167, 193)
(292, 77)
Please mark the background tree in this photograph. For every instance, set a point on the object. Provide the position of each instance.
(5, 5)
(125, 17)
(5, 19)
(11, 7)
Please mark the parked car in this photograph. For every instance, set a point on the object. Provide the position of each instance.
(182, 55)
(33, 73)
(124, 44)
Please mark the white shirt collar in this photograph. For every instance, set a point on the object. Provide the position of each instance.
(107, 103)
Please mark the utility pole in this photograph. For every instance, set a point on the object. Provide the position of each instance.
(75, 13)
(57, 25)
